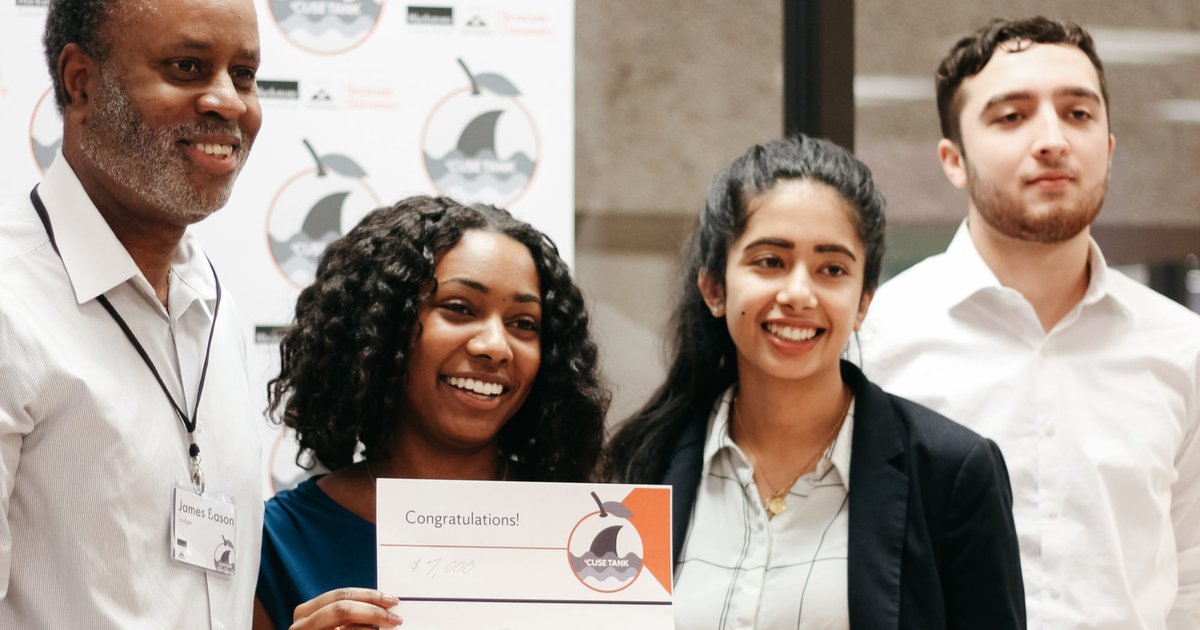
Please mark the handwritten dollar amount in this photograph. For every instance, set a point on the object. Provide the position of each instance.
(435, 567)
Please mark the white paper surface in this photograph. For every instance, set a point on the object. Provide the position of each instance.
(495, 555)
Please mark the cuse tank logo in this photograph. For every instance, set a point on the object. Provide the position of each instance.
(480, 143)
(607, 550)
(326, 27)
(313, 208)
(223, 556)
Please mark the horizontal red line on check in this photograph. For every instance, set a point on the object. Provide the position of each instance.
(472, 547)
(470, 600)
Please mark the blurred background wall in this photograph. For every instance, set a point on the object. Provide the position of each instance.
(669, 91)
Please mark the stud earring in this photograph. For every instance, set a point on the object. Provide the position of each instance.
(718, 310)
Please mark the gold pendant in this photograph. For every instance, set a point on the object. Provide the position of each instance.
(776, 506)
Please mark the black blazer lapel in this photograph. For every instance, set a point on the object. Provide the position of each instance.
(683, 475)
(878, 506)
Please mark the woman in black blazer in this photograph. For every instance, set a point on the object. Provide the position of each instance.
(803, 495)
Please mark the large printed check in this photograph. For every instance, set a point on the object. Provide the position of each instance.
(508, 555)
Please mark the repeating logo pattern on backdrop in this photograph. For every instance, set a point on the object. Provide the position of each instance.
(312, 209)
(480, 142)
(326, 27)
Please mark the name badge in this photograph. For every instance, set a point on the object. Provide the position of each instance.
(203, 530)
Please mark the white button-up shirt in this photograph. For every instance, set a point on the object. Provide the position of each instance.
(1098, 420)
(90, 446)
(742, 570)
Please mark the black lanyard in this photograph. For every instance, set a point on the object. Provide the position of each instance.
(188, 423)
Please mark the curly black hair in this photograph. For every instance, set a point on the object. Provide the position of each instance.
(344, 359)
(79, 22)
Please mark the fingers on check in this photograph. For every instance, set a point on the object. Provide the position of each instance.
(365, 595)
(347, 607)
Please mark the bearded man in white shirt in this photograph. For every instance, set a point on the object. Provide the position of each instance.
(1086, 379)
(120, 359)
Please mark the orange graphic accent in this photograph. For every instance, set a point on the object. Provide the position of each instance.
(651, 509)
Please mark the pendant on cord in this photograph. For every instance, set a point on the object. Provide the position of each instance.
(776, 505)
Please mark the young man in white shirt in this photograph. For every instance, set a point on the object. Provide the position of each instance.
(1089, 382)
(120, 360)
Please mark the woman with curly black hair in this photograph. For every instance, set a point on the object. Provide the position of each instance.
(448, 341)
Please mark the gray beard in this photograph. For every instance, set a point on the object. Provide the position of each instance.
(146, 160)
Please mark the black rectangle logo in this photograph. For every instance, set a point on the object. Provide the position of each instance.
(279, 89)
(431, 16)
(269, 334)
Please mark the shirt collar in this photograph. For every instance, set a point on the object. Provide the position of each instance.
(94, 259)
(968, 274)
(836, 456)
(717, 437)
(1099, 285)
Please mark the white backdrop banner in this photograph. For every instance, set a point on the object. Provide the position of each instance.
(364, 102)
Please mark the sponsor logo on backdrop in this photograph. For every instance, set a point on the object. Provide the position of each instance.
(477, 20)
(326, 27)
(430, 16)
(524, 23)
(373, 97)
(33, 3)
(282, 90)
(45, 131)
(480, 142)
(312, 209)
(605, 550)
(321, 96)
(270, 333)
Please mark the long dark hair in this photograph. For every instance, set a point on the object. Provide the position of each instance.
(703, 357)
(345, 358)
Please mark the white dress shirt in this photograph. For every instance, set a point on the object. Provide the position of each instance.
(740, 569)
(90, 446)
(1098, 420)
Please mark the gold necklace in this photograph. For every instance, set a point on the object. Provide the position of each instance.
(776, 502)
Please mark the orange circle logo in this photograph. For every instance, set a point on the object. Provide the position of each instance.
(312, 209)
(480, 143)
(605, 549)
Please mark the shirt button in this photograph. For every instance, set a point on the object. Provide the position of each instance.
(1055, 592)
(1048, 430)
(1050, 510)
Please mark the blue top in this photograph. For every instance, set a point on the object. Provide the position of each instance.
(311, 545)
